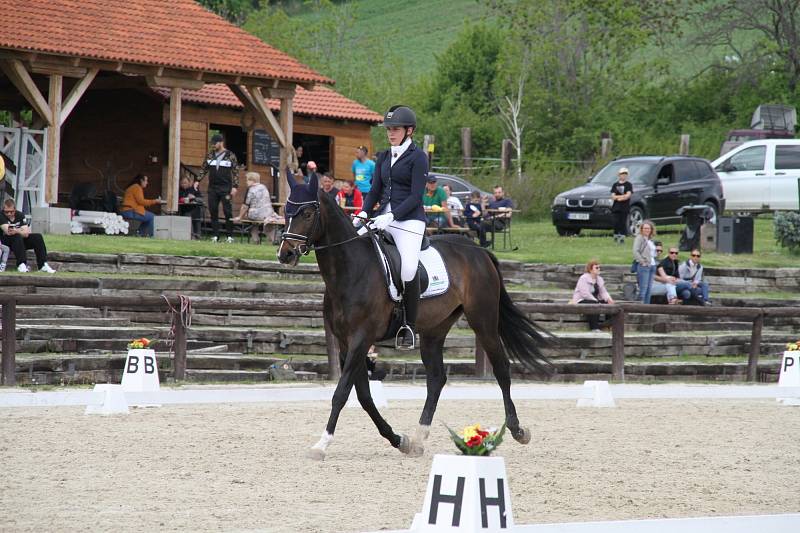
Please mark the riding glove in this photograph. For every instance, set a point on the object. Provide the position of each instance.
(360, 219)
(382, 221)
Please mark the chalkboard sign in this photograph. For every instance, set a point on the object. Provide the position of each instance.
(266, 151)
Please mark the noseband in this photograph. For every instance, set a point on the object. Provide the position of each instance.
(305, 246)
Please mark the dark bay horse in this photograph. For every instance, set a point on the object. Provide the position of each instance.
(358, 310)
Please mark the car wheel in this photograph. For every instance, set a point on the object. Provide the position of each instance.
(635, 218)
(713, 207)
(567, 232)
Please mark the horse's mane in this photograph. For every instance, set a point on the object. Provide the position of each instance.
(334, 214)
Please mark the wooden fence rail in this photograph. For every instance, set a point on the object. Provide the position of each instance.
(173, 304)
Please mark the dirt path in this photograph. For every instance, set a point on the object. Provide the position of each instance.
(242, 467)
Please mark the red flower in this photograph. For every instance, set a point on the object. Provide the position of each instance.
(475, 441)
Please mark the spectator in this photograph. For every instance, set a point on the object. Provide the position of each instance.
(293, 159)
(435, 203)
(591, 289)
(667, 281)
(692, 272)
(363, 169)
(498, 211)
(327, 186)
(473, 213)
(222, 169)
(644, 256)
(621, 192)
(257, 206)
(134, 205)
(351, 197)
(6, 189)
(4, 253)
(454, 207)
(16, 234)
(190, 203)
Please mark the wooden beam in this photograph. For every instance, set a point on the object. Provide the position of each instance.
(53, 139)
(287, 124)
(250, 105)
(175, 82)
(265, 114)
(47, 68)
(281, 93)
(22, 80)
(174, 159)
(76, 93)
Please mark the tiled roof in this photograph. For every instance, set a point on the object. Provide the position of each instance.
(320, 102)
(170, 33)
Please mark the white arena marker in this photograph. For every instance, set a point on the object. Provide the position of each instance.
(375, 390)
(141, 375)
(598, 394)
(466, 494)
(113, 401)
(789, 376)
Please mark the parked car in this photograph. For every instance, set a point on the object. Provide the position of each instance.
(761, 176)
(460, 187)
(739, 137)
(661, 185)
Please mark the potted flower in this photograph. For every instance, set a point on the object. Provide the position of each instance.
(139, 344)
(474, 440)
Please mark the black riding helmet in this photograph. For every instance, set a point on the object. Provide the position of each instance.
(400, 115)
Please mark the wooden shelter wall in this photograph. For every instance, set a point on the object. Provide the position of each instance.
(119, 127)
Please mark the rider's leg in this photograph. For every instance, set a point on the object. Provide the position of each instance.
(408, 237)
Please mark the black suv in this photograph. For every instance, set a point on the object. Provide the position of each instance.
(661, 185)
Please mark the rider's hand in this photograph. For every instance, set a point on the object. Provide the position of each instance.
(382, 221)
(360, 219)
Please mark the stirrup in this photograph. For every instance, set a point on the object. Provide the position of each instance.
(400, 335)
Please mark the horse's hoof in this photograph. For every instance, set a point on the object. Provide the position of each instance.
(523, 436)
(405, 445)
(316, 454)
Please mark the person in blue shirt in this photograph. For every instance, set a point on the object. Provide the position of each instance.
(398, 185)
(497, 211)
(363, 170)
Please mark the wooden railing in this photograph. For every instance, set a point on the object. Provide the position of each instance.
(173, 304)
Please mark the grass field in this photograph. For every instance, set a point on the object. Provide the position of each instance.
(536, 242)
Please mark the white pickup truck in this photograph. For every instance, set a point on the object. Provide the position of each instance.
(762, 175)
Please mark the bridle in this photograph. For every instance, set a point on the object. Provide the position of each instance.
(305, 246)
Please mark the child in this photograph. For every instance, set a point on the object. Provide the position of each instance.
(473, 212)
(4, 251)
(621, 192)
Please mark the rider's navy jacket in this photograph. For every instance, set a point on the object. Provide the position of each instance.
(401, 184)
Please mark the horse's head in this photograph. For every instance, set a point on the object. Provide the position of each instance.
(303, 226)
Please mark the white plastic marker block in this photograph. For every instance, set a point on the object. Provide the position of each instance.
(113, 401)
(790, 375)
(375, 390)
(466, 494)
(600, 395)
(141, 374)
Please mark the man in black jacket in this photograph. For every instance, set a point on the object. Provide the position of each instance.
(222, 169)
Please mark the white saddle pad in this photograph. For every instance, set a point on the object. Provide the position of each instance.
(432, 262)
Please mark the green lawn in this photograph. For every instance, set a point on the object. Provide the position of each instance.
(536, 242)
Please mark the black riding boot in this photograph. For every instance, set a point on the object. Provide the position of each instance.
(406, 337)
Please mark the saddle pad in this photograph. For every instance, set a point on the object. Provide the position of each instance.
(433, 268)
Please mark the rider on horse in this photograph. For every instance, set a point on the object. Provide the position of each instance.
(397, 188)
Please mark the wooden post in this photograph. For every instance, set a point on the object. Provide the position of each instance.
(684, 146)
(755, 348)
(53, 139)
(9, 321)
(174, 157)
(334, 370)
(466, 149)
(179, 363)
(286, 119)
(606, 144)
(618, 346)
(429, 145)
(505, 156)
(482, 365)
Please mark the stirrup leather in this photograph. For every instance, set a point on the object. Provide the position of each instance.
(401, 334)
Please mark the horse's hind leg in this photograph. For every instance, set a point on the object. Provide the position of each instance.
(484, 323)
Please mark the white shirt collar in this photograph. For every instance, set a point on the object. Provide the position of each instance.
(397, 151)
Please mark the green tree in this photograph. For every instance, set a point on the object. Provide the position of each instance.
(235, 11)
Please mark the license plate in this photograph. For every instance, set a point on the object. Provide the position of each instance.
(578, 216)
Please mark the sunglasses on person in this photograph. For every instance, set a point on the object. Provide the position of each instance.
(695, 255)
(673, 252)
(659, 250)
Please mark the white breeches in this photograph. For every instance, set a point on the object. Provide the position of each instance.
(408, 237)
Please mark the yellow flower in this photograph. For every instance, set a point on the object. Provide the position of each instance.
(471, 431)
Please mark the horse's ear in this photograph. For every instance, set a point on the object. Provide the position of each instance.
(313, 182)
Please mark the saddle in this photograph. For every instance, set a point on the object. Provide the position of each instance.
(391, 259)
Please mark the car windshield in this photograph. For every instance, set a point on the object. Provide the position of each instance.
(639, 172)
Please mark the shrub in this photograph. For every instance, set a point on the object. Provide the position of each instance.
(787, 230)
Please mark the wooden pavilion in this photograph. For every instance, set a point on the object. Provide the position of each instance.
(119, 87)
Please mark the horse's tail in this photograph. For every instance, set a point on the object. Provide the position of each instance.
(522, 339)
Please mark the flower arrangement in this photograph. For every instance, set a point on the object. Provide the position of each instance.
(138, 344)
(793, 346)
(476, 441)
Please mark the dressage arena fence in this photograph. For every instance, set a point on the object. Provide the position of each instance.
(181, 307)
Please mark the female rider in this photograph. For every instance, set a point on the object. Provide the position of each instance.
(397, 186)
